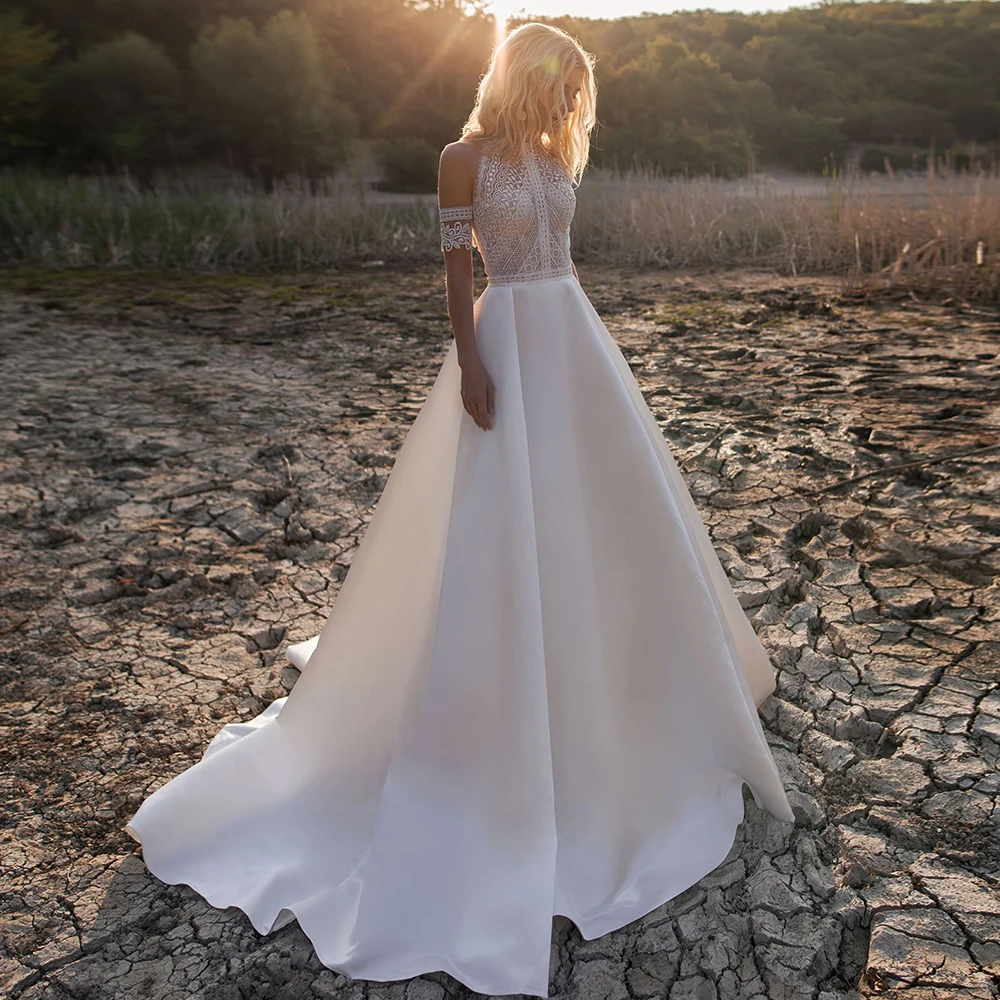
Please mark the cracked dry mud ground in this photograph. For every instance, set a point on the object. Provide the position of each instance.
(188, 465)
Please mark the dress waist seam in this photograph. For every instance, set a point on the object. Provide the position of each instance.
(530, 279)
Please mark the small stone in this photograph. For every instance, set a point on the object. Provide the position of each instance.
(242, 525)
(265, 574)
(268, 638)
(313, 552)
(858, 876)
(855, 726)
(328, 531)
(297, 533)
(808, 812)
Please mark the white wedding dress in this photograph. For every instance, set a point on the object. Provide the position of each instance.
(536, 691)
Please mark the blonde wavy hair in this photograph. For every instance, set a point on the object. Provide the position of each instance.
(521, 96)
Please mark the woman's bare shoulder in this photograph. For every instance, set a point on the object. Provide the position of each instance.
(457, 172)
(461, 153)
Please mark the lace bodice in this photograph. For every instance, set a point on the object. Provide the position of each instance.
(519, 219)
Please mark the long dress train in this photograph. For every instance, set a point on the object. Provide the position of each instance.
(536, 691)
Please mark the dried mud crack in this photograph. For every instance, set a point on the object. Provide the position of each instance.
(189, 463)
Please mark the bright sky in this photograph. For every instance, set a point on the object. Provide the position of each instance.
(626, 8)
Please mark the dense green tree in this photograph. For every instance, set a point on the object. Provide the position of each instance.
(173, 24)
(267, 95)
(411, 68)
(697, 90)
(677, 111)
(800, 140)
(117, 105)
(24, 50)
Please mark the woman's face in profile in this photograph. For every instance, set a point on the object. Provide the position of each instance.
(561, 97)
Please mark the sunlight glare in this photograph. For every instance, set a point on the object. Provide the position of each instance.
(503, 10)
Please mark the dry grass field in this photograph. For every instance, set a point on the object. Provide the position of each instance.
(934, 231)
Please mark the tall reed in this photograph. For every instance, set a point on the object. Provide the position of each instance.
(206, 225)
(938, 230)
(942, 228)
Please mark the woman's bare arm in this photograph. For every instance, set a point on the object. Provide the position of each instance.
(456, 175)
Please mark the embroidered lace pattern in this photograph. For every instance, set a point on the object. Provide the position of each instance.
(521, 217)
(456, 227)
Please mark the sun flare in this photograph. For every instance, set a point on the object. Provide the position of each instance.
(503, 11)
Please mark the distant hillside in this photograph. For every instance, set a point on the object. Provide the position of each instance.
(286, 86)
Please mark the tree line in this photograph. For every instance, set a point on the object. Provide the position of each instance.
(272, 87)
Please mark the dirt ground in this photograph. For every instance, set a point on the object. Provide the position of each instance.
(188, 464)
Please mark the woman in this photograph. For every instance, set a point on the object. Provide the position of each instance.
(536, 691)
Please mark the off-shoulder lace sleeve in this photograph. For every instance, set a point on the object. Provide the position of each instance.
(456, 227)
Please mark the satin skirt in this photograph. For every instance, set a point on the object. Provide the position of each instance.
(536, 692)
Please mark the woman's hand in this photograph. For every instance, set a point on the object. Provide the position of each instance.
(477, 392)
